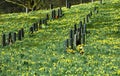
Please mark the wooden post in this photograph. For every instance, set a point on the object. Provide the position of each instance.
(54, 14)
(84, 29)
(66, 45)
(80, 33)
(80, 24)
(45, 21)
(67, 42)
(31, 30)
(10, 41)
(74, 42)
(71, 33)
(75, 28)
(19, 35)
(58, 14)
(71, 39)
(77, 37)
(22, 32)
(84, 33)
(87, 19)
(14, 37)
(40, 22)
(3, 40)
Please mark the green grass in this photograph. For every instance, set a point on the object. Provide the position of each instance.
(43, 54)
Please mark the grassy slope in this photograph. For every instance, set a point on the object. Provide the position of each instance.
(43, 54)
(104, 40)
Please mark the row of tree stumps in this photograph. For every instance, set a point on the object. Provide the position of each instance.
(38, 25)
(78, 34)
(11, 37)
(56, 14)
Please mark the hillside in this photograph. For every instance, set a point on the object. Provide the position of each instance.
(44, 53)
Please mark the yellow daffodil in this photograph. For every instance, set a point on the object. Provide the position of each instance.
(70, 50)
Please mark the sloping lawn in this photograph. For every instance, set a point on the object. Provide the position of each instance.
(43, 54)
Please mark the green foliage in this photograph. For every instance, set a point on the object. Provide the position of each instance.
(30, 4)
(43, 54)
